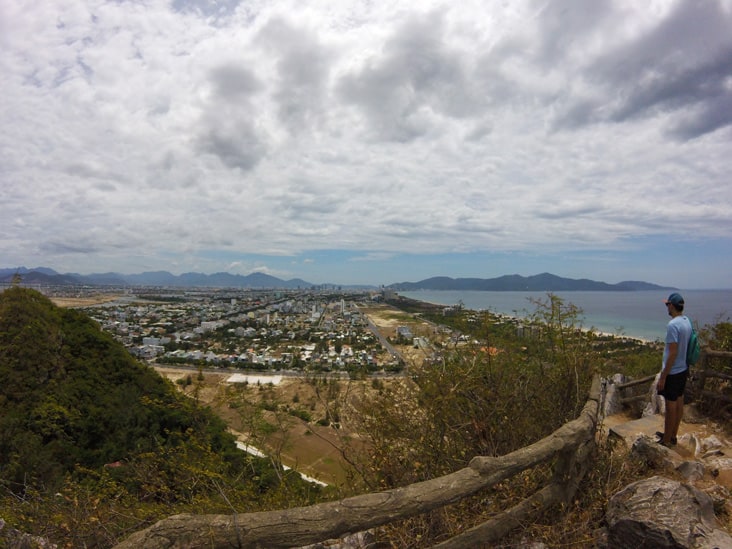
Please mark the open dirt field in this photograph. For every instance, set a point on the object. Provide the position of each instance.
(248, 410)
(307, 447)
(386, 318)
(83, 301)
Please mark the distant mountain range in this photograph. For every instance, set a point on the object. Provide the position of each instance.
(46, 276)
(544, 282)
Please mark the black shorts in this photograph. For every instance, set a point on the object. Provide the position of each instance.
(674, 386)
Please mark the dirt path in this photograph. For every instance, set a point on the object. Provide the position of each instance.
(699, 440)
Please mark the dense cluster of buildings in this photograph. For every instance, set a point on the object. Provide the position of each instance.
(259, 330)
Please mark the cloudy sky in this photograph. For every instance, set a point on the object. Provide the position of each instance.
(369, 141)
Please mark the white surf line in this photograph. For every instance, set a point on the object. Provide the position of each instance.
(258, 453)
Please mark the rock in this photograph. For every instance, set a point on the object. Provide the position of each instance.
(612, 404)
(656, 404)
(720, 497)
(709, 446)
(10, 538)
(653, 453)
(693, 415)
(719, 464)
(663, 513)
(692, 471)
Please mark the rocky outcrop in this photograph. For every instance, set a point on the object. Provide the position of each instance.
(612, 404)
(660, 512)
(663, 513)
(10, 538)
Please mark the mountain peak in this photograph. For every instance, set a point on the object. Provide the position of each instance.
(544, 282)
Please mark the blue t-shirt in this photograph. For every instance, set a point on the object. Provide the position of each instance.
(678, 331)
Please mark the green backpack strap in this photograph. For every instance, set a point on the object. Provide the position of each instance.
(693, 350)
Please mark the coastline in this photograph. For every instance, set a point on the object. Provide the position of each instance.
(433, 306)
(636, 314)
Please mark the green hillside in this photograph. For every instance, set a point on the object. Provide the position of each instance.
(70, 395)
(82, 419)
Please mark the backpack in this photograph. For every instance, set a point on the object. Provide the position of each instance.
(693, 350)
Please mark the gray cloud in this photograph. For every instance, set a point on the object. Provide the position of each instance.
(213, 130)
(680, 68)
(416, 78)
(713, 114)
(234, 83)
(302, 66)
(58, 247)
(208, 8)
(232, 136)
(565, 26)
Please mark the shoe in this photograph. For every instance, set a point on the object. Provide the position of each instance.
(659, 435)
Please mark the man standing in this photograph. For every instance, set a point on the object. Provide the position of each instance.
(672, 381)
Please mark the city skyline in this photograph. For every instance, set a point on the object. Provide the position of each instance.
(369, 143)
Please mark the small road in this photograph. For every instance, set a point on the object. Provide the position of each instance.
(384, 342)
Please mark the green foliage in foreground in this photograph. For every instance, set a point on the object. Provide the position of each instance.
(491, 395)
(93, 443)
(511, 384)
(502, 386)
(73, 396)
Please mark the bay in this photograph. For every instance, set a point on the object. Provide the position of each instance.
(639, 314)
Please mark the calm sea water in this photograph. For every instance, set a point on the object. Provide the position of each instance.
(636, 314)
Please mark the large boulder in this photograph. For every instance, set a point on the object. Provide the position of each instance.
(663, 513)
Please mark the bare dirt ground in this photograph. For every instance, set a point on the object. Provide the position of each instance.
(259, 415)
(386, 318)
(307, 447)
(83, 301)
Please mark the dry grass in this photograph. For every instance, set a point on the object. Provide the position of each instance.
(88, 301)
(310, 448)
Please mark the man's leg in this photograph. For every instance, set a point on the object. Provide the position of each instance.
(669, 421)
(678, 415)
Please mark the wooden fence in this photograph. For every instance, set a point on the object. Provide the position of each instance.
(571, 445)
(706, 374)
(697, 388)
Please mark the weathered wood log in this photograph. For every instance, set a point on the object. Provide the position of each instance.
(561, 490)
(718, 375)
(304, 525)
(711, 395)
(636, 382)
(637, 398)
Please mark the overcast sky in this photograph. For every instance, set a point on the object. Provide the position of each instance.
(371, 141)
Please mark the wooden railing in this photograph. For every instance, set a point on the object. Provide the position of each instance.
(707, 373)
(644, 381)
(702, 372)
(571, 445)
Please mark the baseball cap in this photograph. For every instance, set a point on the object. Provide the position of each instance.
(675, 299)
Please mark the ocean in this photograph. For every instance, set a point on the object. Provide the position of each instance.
(634, 314)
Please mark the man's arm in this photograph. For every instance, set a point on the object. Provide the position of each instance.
(673, 350)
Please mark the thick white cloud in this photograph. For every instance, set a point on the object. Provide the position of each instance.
(157, 134)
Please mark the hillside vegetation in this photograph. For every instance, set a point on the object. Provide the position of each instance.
(94, 444)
